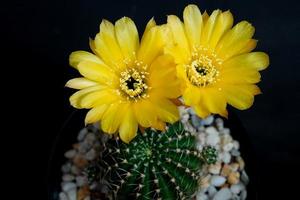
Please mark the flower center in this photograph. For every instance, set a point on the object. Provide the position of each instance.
(202, 71)
(132, 83)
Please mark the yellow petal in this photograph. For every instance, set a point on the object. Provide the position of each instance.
(79, 56)
(128, 127)
(224, 22)
(75, 99)
(248, 47)
(240, 96)
(80, 83)
(113, 117)
(144, 112)
(255, 60)
(151, 46)
(234, 40)
(127, 36)
(191, 95)
(96, 98)
(179, 37)
(95, 114)
(159, 125)
(209, 28)
(239, 76)
(214, 101)
(205, 17)
(107, 45)
(192, 24)
(97, 72)
(162, 72)
(165, 109)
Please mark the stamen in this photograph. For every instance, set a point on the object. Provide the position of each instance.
(203, 68)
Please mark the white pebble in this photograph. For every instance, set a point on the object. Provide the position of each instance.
(212, 138)
(72, 194)
(235, 152)
(75, 170)
(82, 134)
(63, 196)
(70, 154)
(244, 195)
(225, 157)
(228, 147)
(237, 188)
(217, 180)
(211, 191)
(201, 196)
(236, 145)
(211, 130)
(185, 118)
(90, 138)
(66, 186)
(208, 120)
(223, 194)
(87, 198)
(225, 131)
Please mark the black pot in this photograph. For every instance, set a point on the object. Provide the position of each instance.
(67, 136)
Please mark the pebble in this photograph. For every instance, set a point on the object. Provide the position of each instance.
(234, 178)
(235, 152)
(226, 170)
(72, 194)
(215, 168)
(237, 188)
(241, 162)
(211, 191)
(212, 138)
(244, 177)
(244, 195)
(205, 182)
(81, 181)
(217, 180)
(82, 134)
(236, 145)
(68, 177)
(225, 157)
(70, 154)
(66, 186)
(66, 168)
(75, 170)
(208, 120)
(63, 196)
(201, 196)
(80, 161)
(228, 147)
(91, 154)
(223, 194)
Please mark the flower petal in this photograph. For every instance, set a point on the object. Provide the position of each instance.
(179, 37)
(235, 40)
(78, 56)
(128, 127)
(214, 101)
(144, 112)
(96, 98)
(113, 117)
(107, 45)
(209, 28)
(255, 60)
(75, 99)
(151, 46)
(95, 114)
(240, 96)
(165, 109)
(97, 72)
(80, 83)
(224, 22)
(127, 36)
(193, 24)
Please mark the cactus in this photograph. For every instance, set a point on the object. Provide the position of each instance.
(154, 165)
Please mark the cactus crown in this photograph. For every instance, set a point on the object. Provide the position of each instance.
(154, 165)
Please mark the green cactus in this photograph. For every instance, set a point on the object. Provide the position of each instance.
(154, 165)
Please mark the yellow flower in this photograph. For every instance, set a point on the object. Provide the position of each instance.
(126, 82)
(214, 60)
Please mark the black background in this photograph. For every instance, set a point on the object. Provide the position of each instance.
(40, 35)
